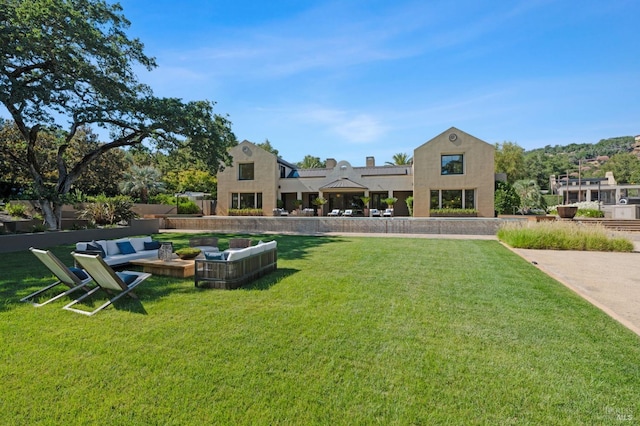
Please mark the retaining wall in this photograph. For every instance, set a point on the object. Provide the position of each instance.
(321, 225)
(18, 242)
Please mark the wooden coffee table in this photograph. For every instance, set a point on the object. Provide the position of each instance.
(171, 268)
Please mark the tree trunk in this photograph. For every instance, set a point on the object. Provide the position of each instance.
(52, 214)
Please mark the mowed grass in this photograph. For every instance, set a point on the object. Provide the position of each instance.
(347, 331)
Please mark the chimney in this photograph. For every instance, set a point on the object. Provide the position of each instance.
(371, 162)
(331, 163)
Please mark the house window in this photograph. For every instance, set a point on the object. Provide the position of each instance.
(452, 164)
(452, 199)
(245, 171)
(246, 200)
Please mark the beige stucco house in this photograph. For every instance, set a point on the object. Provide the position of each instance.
(454, 170)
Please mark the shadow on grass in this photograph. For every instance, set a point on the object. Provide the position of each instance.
(22, 273)
(126, 303)
(289, 246)
(268, 281)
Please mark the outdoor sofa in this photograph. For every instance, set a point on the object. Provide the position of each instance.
(121, 251)
(235, 268)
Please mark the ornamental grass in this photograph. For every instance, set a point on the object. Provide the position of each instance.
(562, 235)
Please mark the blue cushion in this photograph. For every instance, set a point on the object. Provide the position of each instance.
(79, 273)
(151, 245)
(125, 247)
(127, 278)
(213, 255)
(95, 246)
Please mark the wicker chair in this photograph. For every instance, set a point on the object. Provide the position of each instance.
(238, 243)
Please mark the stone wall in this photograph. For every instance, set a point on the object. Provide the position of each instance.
(321, 225)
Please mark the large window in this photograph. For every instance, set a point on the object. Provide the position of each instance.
(453, 199)
(452, 164)
(246, 200)
(245, 171)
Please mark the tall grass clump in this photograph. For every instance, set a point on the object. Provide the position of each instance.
(561, 236)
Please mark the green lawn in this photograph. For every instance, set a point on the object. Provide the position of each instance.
(347, 331)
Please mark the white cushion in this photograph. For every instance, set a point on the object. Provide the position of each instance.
(239, 254)
(138, 242)
(112, 246)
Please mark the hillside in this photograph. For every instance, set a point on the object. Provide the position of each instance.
(603, 148)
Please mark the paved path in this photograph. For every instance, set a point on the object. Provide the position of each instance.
(610, 281)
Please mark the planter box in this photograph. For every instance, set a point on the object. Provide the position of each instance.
(541, 218)
(567, 212)
(453, 215)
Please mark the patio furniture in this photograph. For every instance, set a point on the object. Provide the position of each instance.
(239, 243)
(73, 278)
(122, 250)
(177, 268)
(388, 213)
(237, 267)
(374, 213)
(107, 279)
(205, 244)
(348, 212)
(334, 212)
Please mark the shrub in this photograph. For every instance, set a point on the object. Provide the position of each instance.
(185, 205)
(188, 207)
(16, 210)
(245, 212)
(453, 212)
(589, 213)
(103, 210)
(561, 236)
(41, 227)
(506, 199)
(409, 202)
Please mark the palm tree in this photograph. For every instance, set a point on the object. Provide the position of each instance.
(311, 162)
(400, 159)
(142, 181)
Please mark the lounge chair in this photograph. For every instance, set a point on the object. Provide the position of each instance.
(388, 213)
(374, 213)
(348, 212)
(334, 212)
(73, 278)
(108, 280)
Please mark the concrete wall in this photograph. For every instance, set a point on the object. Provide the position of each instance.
(320, 225)
(19, 242)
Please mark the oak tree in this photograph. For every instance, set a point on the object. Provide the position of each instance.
(69, 64)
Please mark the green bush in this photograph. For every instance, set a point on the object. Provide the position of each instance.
(453, 212)
(589, 213)
(185, 205)
(245, 212)
(507, 201)
(102, 210)
(41, 227)
(16, 210)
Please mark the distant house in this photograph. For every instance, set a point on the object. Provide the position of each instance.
(452, 170)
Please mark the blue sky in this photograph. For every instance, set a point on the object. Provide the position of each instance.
(350, 79)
